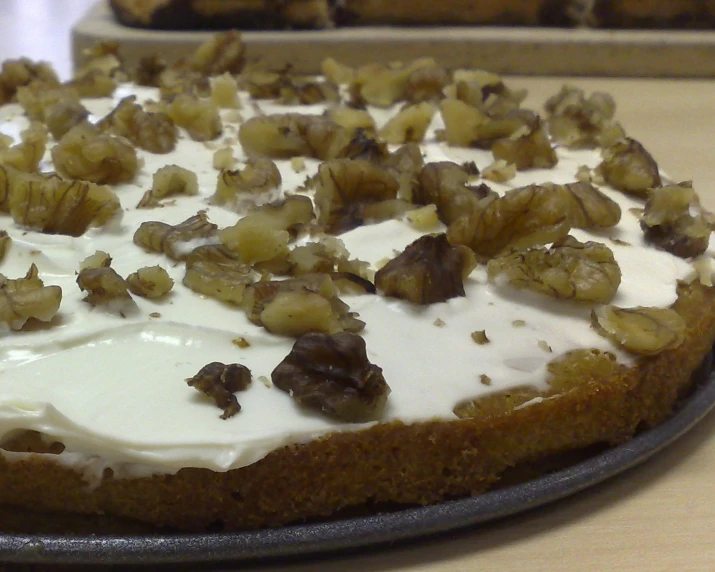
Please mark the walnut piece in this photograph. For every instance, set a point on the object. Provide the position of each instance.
(578, 122)
(531, 150)
(63, 115)
(17, 73)
(568, 269)
(346, 187)
(27, 298)
(220, 382)
(198, 116)
(56, 206)
(26, 155)
(99, 259)
(332, 373)
(295, 306)
(224, 91)
(383, 85)
(668, 223)
(429, 270)
(154, 132)
(221, 277)
(641, 330)
(260, 175)
(293, 135)
(86, 153)
(105, 287)
(222, 53)
(168, 181)
(409, 125)
(150, 282)
(156, 236)
(446, 185)
(628, 167)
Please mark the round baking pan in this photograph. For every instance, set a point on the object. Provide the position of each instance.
(375, 529)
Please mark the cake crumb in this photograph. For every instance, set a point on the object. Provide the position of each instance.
(439, 322)
(518, 323)
(241, 342)
(480, 337)
(484, 379)
(155, 315)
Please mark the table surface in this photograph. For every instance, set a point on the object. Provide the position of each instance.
(658, 517)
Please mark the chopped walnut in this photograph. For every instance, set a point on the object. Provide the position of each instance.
(241, 342)
(293, 135)
(579, 122)
(426, 83)
(429, 270)
(150, 282)
(223, 159)
(590, 208)
(27, 298)
(568, 269)
(17, 73)
(168, 181)
(5, 242)
(63, 115)
(424, 218)
(484, 379)
(467, 126)
(485, 91)
(94, 83)
(295, 306)
(260, 175)
(156, 236)
(532, 150)
(446, 185)
(218, 274)
(294, 91)
(154, 132)
(220, 382)
(148, 70)
(26, 155)
(628, 167)
(105, 287)
(87, 153)
(57, 206)
(409, 125)
(264, 234)
(198, 116)
(224, 92)
(499, 171)
(99, 259)
(336, 72)
(320, 257)
(382, 85)
(222, 53)
(352, 119)
(332, 373)
(366, 147)
(641, 330)
(671, 220)
(297, 164)
(480, 337)
(346, 187)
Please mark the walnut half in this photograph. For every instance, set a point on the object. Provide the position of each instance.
(332, 373)
(220, 382)
(24, 298)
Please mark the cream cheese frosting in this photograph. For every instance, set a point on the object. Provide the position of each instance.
(112, 388)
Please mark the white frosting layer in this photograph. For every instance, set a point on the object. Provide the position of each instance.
(112, 389)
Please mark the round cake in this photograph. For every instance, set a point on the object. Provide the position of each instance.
(238, 298)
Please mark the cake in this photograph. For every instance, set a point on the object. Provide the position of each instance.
(233, 298)
(265, 14)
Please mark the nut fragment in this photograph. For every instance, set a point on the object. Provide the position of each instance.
(222, 53)
(480, 337)
(409, 125)
(168, 181)
(154, 132)
(671, 220)
(532, 150)
(446, 185)
(260, 175)
(568, 269)
(224, 92)
(332, 373)
(156, 236)
(429, 270)
(21, 72)
(295, 306)
(150, 282)
(5, 242)
(105, 287)
(293, 135)
(220, 382)
(99, 259)
(198, 116)
(26, 155)
(56, 206)
(223, 278)
(345, 187)
(63, 115)
(27, 298)
(628, 167)
(641, 330)
(86, 153)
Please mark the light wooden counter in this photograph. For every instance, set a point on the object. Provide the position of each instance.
(658, 517)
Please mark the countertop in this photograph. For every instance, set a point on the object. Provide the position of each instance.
(657, 517)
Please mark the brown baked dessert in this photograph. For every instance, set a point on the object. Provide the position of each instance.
(237, 298)
(269, 14)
